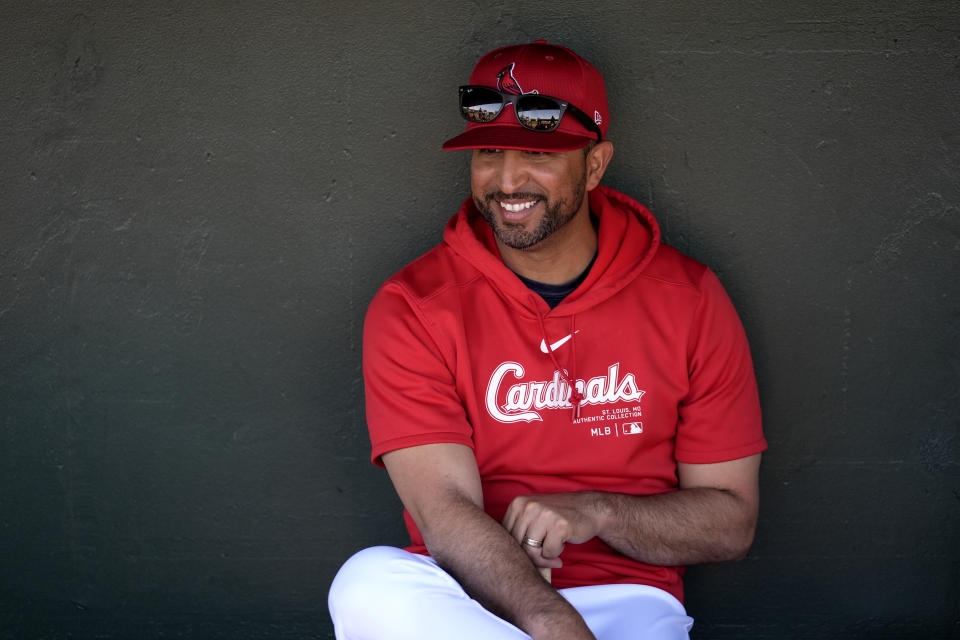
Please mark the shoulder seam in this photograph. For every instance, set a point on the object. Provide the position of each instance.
(690, 285)
(421, 300)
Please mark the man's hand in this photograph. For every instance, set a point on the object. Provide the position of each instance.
(556, 519)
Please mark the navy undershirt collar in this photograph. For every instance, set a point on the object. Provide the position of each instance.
(553, 294)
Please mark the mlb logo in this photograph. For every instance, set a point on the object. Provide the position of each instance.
(630, 428)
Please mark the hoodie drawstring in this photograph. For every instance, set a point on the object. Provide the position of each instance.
(575, 396)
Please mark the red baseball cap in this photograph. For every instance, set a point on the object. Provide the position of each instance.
(545, 69)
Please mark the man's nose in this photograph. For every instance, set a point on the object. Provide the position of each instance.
(513, 171)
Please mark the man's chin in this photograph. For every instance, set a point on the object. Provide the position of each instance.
(526, 234)
(518, 237)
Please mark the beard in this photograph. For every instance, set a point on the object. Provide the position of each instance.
(557, 214)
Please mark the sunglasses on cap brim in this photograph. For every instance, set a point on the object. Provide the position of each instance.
(534, 111)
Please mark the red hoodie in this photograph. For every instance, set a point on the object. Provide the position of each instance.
(457, 349)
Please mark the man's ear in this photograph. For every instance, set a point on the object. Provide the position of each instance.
(598, 159)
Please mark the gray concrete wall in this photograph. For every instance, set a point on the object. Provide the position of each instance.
(197, 201)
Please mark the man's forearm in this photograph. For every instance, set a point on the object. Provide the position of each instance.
(683, 527)
(439, 485)
(711, 518)
(490, 566)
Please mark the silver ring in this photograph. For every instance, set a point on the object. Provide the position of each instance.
(531, 542)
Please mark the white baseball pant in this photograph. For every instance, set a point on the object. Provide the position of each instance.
(386, 593)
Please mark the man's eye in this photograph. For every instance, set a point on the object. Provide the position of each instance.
(490, 150)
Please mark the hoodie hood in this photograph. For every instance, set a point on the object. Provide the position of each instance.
(627, 239)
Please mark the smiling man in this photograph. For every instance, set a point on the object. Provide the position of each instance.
(565, 405)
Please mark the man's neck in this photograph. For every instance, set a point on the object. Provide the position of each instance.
(560, 258)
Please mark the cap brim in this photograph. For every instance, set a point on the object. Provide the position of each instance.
(491, 136)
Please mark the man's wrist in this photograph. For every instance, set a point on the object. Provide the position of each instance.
(601, 507)
(561, 621)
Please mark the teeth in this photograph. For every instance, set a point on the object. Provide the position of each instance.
(518, 207)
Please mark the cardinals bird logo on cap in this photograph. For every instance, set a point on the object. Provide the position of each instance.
(507, 83)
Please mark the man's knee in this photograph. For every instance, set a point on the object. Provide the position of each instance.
(356, 583)
(385, 592)
(391, 578)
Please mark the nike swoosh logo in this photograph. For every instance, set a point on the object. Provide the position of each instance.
(556, 345)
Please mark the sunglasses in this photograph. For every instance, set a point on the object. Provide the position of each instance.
(534, 111)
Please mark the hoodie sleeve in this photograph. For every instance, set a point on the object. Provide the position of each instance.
(720, 416)
(410, 391)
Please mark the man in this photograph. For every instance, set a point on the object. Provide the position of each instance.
(554, 393)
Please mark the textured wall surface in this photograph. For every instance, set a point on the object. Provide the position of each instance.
(197, 201)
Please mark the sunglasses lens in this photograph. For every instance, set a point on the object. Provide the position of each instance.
(539, 113)
(479, 104)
